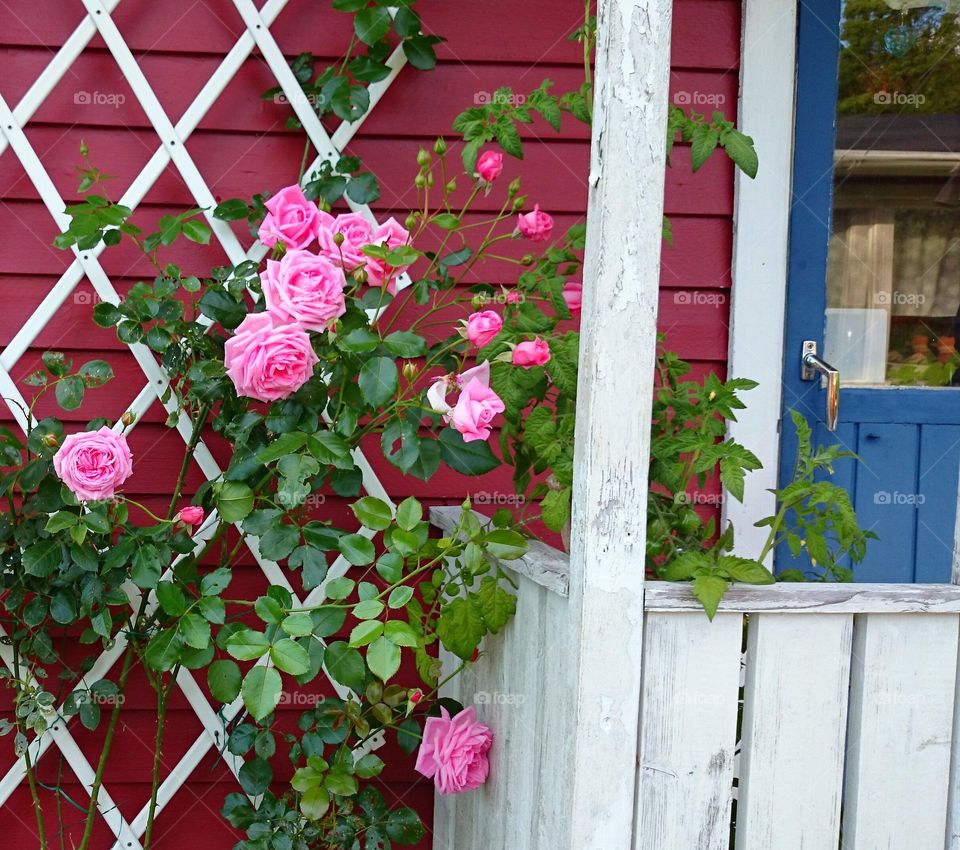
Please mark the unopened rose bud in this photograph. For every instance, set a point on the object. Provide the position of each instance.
(429, 178)
(411, 221)
(279, 249)
(451, 186)
(416, 696)
(478, 301)
(419, 181)
(410, 371)
(518, 204)
(360, 275)
(526, 260)
(338, 238)
(128, 418)
(423, 158)
(440, 147)
(514, 187)
(191, 515)
(50, 440)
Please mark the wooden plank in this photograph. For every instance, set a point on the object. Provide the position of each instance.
(612, 443)
(544, 565)
(691, 686)
(902, 695)
(794, 725)
(762, 208)
(813, 598)
(886, 498)
(937, 508)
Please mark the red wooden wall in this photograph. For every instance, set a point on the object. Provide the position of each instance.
(241, 147)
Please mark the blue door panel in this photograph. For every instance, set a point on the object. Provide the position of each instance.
(937, 489)
(886, 500)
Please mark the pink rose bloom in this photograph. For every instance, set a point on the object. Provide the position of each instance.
(437, 394)
(392, 235)
(268, 360)
(489, 165)
(190, 515)
(536, 226)
(529, 354)
(483, 327)
(474, 411)
(94, 463)
(513, 297)
(291, 219)
(572, 293)
(357, 232)
(305, 288)
(454, 751)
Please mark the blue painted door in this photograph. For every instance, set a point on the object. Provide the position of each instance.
(874, 270)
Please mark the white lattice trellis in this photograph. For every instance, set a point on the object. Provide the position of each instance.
(86, 264)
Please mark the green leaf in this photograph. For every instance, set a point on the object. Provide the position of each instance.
(703, 144)
(248, 645)
(461, 627)
(223, 679)
(197, 231)
(69, 392)
(234, 501)
(255, 775)
(496, 605)
(357, 549)
(261, 691)
(406, 23)
(215, 582)
(171, 598)
(405, 827)
(285, 444)
(43, 558)
(373, 513)
(378, 380)
(298, 625)
(383, 658)
(368, 766)
(163, 650)
(345, 665)
(745, 570)
(709, 589)
(366, 632)
(195, 631)
(505, 544)
(315, 802)
(420, 53)
(473, 458)
(279, 542)
(390, 567)
(405, 344)
(371, 24)
(400, 596)
(740, 149)
(290, 657)
(147, 567)
(233, 209)
(400, 633)
(409, 513)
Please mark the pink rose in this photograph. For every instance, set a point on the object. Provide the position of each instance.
(489, 165)
(94, 463)
(356, 231)
(483, 327)
(305, 288)
(268, 360)
(536, 226)
(572, 293)
(390, 234)
(291, 219)
(529, 354)
(514, 297)
(437, 394)
(454, 751)
(474, 411)
(190, 515)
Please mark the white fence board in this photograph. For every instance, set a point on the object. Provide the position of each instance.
(794, 724)
(691, 679)
(898, 753)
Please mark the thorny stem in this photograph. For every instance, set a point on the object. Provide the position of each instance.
(31, 778)
(163, 697)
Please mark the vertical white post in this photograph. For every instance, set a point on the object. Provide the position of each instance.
(618, 341)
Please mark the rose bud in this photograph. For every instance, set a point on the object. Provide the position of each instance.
(190, 515)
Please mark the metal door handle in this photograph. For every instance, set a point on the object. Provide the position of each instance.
(811, 366)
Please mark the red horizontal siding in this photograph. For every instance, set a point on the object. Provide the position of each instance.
(241, 147)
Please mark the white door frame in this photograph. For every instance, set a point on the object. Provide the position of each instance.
(760, 251)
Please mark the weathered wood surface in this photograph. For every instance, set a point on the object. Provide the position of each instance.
(544, 565)
(794, 727)
(614, 399)
(691, 682)
(903, 686)
(813, 598)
